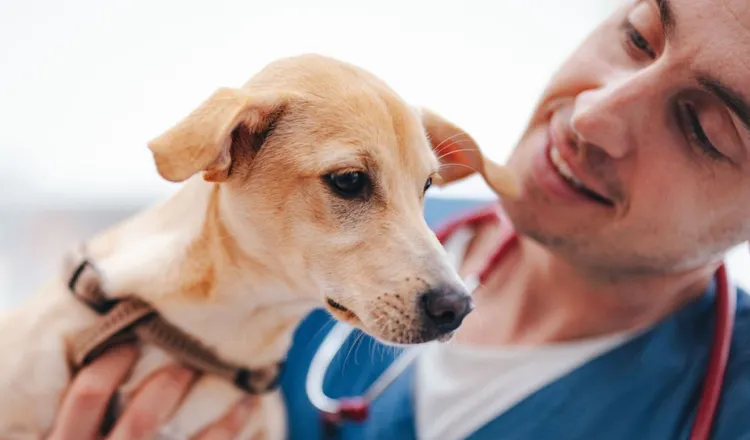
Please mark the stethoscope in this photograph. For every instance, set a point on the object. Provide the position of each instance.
(334, 412)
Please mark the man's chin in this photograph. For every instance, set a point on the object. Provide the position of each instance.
(540, 227)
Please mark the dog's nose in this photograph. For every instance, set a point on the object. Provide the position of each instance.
(445, 308)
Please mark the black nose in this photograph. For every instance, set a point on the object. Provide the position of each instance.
(445, 308)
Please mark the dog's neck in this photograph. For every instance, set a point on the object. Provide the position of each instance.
(183, 258)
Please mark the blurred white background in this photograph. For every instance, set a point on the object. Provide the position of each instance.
(85, 84)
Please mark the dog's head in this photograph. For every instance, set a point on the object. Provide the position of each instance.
(322, 172)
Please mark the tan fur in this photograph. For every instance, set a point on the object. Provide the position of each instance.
(255, 238)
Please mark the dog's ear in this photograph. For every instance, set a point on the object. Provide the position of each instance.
(461, 157)
(202, 140)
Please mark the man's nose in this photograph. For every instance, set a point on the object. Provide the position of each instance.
(445, 308)
(606, 116)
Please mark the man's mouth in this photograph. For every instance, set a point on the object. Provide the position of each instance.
(563, 169)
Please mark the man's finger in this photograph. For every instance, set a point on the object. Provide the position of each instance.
(153, 404)
(229, 426)
(86, 401)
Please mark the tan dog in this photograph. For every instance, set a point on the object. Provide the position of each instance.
(305, 185)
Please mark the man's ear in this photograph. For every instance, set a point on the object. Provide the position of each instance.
(202, 141)
(461, 157)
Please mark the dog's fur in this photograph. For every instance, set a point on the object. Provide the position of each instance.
(256, 237)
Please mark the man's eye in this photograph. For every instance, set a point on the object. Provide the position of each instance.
(697, 135)
(638, 41)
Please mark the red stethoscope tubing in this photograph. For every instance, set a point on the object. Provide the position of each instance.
(718, 358)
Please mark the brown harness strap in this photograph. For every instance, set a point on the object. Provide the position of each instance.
(132, 319)
(112, 328)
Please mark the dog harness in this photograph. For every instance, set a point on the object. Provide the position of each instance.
(131, 319)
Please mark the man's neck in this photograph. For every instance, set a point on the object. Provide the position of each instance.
(535, 297)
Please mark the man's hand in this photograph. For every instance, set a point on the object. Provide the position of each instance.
(85, 403)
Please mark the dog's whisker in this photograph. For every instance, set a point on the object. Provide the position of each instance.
(459, 165)
(446, 142)
(476, 310)
(373, 349)
(461, 150)
(453, 140)
(358, 335)
(327, 326)
(459, 142)
(358, 343)
(479, 318)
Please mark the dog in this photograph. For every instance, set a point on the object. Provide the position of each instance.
(304, 187)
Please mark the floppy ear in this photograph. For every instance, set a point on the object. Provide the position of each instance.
(461, 157)
(202, 140)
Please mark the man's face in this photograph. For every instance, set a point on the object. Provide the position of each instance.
(651, 114)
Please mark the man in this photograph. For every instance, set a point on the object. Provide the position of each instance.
(598, 320)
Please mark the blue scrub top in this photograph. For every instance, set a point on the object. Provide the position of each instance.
(647, 388)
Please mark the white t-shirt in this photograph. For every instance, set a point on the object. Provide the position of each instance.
(460, 388)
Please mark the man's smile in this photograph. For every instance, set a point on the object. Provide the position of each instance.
(560, 178)
(563, 169)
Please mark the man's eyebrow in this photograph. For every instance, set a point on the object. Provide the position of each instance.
(666, 16)
(731, 98)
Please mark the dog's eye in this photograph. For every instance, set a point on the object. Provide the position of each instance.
(428, 184)
(348, 185)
